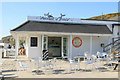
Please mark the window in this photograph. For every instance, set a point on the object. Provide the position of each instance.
(33, 41)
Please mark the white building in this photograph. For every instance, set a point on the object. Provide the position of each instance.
(64, 37)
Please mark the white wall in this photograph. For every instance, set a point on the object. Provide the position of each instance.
(97, 43)
(33, 51)
(115, 31)
(36, 51)
(86, 45)
(118, 28)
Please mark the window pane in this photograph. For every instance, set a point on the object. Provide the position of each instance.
(33, 41)
(65, 46)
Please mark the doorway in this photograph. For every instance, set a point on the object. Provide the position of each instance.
(54, 46)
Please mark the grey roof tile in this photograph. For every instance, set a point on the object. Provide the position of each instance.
(63, 27)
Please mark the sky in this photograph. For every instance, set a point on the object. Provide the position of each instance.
(15, 13)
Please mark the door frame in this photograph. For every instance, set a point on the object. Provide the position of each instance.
(62, 54)
(67, 46)
(60, 44)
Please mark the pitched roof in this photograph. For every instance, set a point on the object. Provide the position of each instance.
(63, 27)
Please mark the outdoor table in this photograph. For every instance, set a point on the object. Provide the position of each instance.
(118, 57)
(79, 57)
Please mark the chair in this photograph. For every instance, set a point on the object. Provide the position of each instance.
(36, 63)
(39, 63)
(22, 66)
(46, 65)
(111, 60)
(12, 52)
(49, 64)
(102, 57)
(86, 56)
(72, 62)
(98, 54)
(8, 52)
(92, 62)
(53, 62)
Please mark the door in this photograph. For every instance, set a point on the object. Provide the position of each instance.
(65, 47)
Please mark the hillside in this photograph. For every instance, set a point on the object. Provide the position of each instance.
(112, 16)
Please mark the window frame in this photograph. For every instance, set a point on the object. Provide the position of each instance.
(31, 42)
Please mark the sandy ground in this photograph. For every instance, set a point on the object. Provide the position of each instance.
(61, 69)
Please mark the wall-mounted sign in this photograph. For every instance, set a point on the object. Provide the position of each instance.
(53, 19)
(76, 42)
(49, 18)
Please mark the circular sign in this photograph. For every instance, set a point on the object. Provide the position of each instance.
(76, 42)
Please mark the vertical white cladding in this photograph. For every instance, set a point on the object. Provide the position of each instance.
(119, 29)
(91, 44)
(34, 51)
(115, 31)
(69, 47)
(71, 52)
(62, 46)
(42, 45)
(96, 44)
(42, 42)
(83, 48)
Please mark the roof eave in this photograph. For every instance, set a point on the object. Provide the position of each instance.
(60, 33)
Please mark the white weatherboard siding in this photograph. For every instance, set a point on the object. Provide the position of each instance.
(96, 45)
